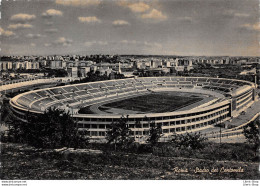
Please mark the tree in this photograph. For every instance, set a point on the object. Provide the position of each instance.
(188, 140)
(119, 133)
(8, 119)
(53, 129)
(155, 133)
(57, 73)
(251, 132)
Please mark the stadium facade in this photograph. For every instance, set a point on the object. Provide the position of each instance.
(231, 97)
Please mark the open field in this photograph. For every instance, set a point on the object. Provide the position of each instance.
(155, 102)
(24, 162)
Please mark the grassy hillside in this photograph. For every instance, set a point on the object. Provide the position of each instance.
(24, 162)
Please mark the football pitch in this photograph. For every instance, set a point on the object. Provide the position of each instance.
(156, 102)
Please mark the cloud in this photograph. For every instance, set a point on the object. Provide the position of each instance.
(154, 15)
(233, 13)
(186, 18)
(120, 23)
(229, 12)
(34, 36)
(19, 26)
(143, 10)
(6, 33)
(49, 23)
(139, 7)
(92, 19)
(63, 41)
(241, 15)
(128, 42)
(154, 44)
(22, 17)
(141, 43)
(78, 3)
(47, 44)
(51, 30)
(91, 43)
(51, 13)
(253, 27)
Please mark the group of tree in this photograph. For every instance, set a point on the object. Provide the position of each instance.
(96, 76)
(188, 140)
(56, 73)
(119, 134)
(251, 132)
(53, 129)
(103, 58)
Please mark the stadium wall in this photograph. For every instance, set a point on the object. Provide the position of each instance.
(232, 101)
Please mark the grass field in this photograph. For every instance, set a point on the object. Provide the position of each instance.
(24, 162)
(156, 102)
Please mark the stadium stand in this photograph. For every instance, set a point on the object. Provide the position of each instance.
(236, 95)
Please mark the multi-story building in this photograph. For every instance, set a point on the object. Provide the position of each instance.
(27, 65)
(18, 65)
(72, 72)
(84, 71)
(55, 64)
(6, 65)
(35, 65)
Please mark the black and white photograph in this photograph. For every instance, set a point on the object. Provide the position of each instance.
(129, 90)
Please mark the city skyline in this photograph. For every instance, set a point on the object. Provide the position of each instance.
(172, 27)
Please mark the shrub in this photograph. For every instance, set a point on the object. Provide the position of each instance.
(188, 140)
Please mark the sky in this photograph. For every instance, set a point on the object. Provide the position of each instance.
(155, 27)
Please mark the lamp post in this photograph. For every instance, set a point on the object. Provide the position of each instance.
(220, 134)
(1, 107)
(41, 107)
(70, 108)
(220, 131)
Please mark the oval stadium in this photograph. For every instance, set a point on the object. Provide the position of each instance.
(179, 104)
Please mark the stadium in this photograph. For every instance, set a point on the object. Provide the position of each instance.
(179, 104)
